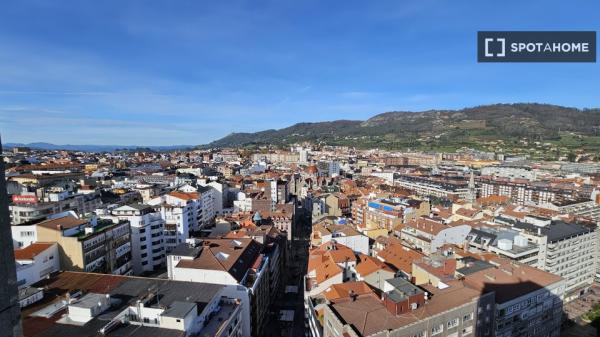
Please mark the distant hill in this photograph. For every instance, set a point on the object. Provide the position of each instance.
(399, 129)
(95, 148)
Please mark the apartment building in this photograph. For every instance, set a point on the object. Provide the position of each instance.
(388, 213)
(105, 305)
(239, 263)
(523, 191)
(441, 188)
(429, 235)
(147, 235)
(27, 210)
(399, 257)
(329, 264)
(509, 172)
(36, 262)
(342, 234)
(277, 157)
(568, 250)
(208, 200)
(584, 208)
(495, 298)
(89, 245)
(275, 247)
(328, 168)
(407, 310)
(337, 204)
(256, 201)
(507, 243)
(181, 212)
(528, 301)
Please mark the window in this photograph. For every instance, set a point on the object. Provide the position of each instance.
(468, 317)
(420, 334)
(452, 323)
(437, 329)
(467, 330)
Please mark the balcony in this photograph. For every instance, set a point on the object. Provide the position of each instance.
(122, 269)
(122, 250)
(221, 319)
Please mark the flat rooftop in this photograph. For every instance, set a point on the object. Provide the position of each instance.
(557, 230)
(123, 290)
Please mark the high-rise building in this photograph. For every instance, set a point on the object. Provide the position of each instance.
(10, 314)
(147, 236)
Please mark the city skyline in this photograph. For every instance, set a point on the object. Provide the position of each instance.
(140, 74)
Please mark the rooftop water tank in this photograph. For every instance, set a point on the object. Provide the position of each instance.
(520, 241)
(505, 244)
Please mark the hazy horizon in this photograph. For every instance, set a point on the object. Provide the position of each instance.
(189, 73)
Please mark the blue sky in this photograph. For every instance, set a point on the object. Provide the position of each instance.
(188, 72)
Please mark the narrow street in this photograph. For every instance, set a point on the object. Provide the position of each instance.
(293, 273)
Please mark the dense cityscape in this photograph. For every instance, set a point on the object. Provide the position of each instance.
(308, 240)
(276, 168)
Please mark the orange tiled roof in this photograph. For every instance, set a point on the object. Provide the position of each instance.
(184, 195)
(426, 225)
(344, 290)
(400, 257)
(368, 265)
(29, 252)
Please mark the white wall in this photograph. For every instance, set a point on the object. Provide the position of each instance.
(43, 264)
(203, 276)
(23, 236)
(452, 235)
(358, 243)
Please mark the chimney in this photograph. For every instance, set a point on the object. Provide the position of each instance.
(353, 295)
(449, 266)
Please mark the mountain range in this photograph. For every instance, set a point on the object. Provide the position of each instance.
(428, 130)
(94, 148)
(433, 128)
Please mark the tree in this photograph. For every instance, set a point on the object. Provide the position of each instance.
(571, 156)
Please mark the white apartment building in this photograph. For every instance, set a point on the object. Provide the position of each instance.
(507, 243)
(429, 188)
(180, 211)
(208, 200)
(568, 250)
(236, 264)
(588, 209)
(35, 262)
(429, 235)
(509, 172)
(147, 236)
(219, 191)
